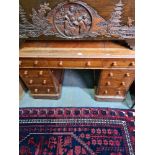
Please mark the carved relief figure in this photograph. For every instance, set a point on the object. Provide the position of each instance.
(82, 26)
(70, 23)
(75, 21)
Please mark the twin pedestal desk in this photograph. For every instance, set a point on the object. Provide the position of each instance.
(42, 64)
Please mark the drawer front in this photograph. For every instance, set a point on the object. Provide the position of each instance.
(28, 73)
(114, 83)
(77, 63)
(110, 92)
(32, 62)
(42, 90)
(38, 81)
(117, 74)
(118, 63)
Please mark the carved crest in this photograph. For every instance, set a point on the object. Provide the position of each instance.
(73, 20)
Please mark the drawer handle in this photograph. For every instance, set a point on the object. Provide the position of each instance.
(88, 63)
(36, 62)
(48, 90)
(25, 72)
(132, 64)
(20, 63)
(105, 92)
(60, 63)
(127, 74)
(111, 74)
(118, 92)
(44, 82)
(36, 90)
(108, 83)
(31, 81)
(40, 72)
(114, 64)
(123, 83)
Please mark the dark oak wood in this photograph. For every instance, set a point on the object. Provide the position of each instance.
(77, 20)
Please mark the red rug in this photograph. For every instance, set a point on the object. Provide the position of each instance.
(76, 131)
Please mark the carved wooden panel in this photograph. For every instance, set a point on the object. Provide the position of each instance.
(75, 19)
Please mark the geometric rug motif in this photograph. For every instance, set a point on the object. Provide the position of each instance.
(76, 131)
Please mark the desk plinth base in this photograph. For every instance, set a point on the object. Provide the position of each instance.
(109, 98)
(46, 96)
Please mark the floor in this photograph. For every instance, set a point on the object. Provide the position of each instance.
(77, 91)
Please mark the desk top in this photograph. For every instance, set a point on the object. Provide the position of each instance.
(74, 49)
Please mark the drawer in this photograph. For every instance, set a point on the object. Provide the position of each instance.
(118, 63)
(114, 83)
(32, 62)
(42, 90)
(77, 63)
(38, 81)
(26, 73)
(110, 92)
(117, 74)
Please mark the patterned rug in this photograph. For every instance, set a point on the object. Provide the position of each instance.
(76, 131)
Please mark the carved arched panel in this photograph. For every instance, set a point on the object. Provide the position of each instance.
(74, 19)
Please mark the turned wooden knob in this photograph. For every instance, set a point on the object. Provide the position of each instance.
(60, 63)
(111, 74)
(105, 92)
(36, 62)
(88, 63)
(108, 83)
(20, 63)
(127, 74)
(48, 90)
(132, 64)
(118, 92)
(36, 90)
(40, 72)
(25, 72)
(114, 63)
(31, 81)
(123, 83)
(44, 82)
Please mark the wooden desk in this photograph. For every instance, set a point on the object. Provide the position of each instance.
(42, 64)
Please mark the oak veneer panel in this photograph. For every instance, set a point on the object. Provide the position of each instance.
(38, 81)
(35, 73)
(118, 74)
(110, 91)
(116, 83)
(42, 90)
